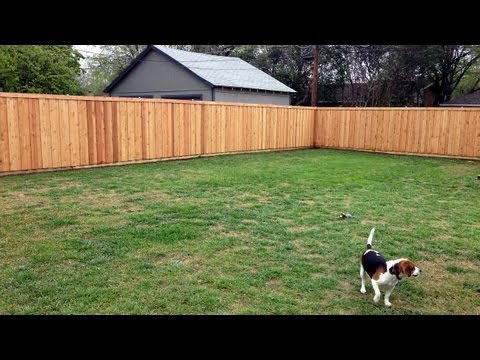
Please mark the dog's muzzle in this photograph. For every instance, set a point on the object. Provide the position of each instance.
(417, 271)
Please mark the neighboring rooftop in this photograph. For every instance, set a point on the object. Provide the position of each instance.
(225, 70)
(472, 99)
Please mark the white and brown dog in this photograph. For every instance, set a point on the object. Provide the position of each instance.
(385, 274)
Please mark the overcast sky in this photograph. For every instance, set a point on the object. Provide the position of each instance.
(85, 50)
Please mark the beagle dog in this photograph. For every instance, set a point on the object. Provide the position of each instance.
(384, 274)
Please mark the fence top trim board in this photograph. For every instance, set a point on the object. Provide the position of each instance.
(172, 101)
(148, 100)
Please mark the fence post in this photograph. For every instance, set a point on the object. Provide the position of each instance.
(203, 137)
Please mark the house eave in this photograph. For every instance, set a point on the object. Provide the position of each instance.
(263, 91)
(460, 105)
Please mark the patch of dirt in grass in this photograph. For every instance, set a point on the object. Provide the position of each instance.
(307, 202)
(61, 186)
(220, 229)
(458, 262)
(434, 274)
(241, 248)
(403, 228)
(313, 256)
(155, 194)
(258, 198)
(283, 221)
(14, 258)
(194, 263)
(113, 200)
(14, 200)
(234, 249)
(161, 196)
(444, 290)
(443, 224)
(345, 287)
(347, 202)
(249, 221)
(236, 234)
(19, 195)
(373, 222)
(458, 170)
(64, 229)
(69, 185)
(217, 227)
(299, 245)
(315, 276)
(236, 307)
(103, 200)
(275, 284)
(246, 204)
(299, 229)
(443, 237)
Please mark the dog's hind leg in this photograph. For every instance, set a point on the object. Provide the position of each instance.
(363, 276)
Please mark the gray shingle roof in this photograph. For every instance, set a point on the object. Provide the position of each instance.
(472, 99)
(225, 71)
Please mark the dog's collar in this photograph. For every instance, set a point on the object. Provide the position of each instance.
(393, 272)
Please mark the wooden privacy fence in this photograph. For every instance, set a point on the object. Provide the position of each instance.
(453, 132)
(50, 131)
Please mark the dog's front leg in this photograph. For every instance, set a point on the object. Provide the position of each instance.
(376, 298)
(387, 296)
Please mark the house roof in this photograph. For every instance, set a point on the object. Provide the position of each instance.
(472, 99)
(216, 70)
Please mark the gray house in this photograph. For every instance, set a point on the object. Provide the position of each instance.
(469, 100)
(162, 72)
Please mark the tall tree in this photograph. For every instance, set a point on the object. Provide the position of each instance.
(441, 66)
(385, 75)
(290, 64)
(103, 67)
(471, 80)
(51, 69)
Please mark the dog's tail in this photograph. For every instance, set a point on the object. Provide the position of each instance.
(370, 239)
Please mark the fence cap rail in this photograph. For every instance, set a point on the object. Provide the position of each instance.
(147, 100)
(196, 102)
(443, 108)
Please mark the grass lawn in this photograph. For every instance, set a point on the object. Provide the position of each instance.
(240, 234)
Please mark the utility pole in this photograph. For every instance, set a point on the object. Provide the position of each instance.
(315, 77)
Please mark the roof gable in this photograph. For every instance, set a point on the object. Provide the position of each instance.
(138, 60)
(225, 70)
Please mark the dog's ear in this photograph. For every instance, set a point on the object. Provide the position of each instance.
(395, 269)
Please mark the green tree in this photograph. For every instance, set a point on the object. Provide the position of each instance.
(386, 75)
(103, 67)
(51, 69)
(471, 80)
(442, 66)
(290, 64)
